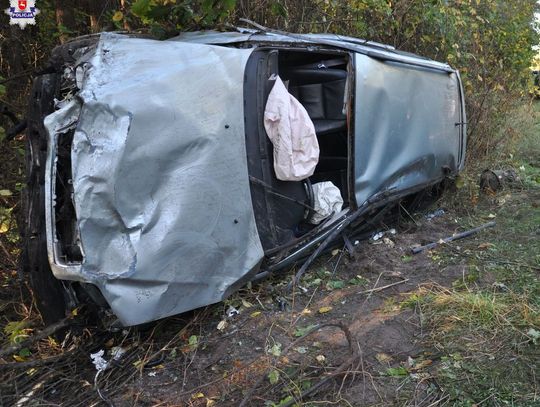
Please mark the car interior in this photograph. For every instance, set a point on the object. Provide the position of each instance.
(318, 81)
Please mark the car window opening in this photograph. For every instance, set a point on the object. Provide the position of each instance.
(284, 210)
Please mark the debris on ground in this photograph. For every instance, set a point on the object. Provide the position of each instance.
(283, 351)
(492, 181)
(378, 235)
(436, 214)
(419, 249)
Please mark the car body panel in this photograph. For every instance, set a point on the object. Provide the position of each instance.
(370, 48)
(160, 178)
(407, 126)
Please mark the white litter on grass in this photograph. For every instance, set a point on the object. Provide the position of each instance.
(101, 365)
(117, 352)
(231, 312)
(436, 214)
(99, 362)
(382, 233)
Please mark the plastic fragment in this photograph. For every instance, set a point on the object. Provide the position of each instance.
(99, 362)
(436, 214)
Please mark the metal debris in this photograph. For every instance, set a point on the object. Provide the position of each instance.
(436, 214)
(419, 249)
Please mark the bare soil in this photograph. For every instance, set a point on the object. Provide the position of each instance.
(226, 364)
(265, 344)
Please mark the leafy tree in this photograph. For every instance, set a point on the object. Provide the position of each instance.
(168, 17)
(489, 41)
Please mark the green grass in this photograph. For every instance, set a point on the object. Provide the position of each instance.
(486, 328)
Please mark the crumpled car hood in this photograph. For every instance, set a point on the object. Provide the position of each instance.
(160, 179)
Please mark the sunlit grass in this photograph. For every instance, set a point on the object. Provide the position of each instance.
(486, 327)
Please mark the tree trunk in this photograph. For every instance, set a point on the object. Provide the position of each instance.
(123, 9)
(16, 66)
(65, 18)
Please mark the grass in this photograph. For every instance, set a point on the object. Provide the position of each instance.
(486, 328)
(482, 333)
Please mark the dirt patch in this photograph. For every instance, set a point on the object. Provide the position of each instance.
(387, 335)
(219, 366)
(207, 358)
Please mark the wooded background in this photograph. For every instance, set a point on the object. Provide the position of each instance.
(489, 41)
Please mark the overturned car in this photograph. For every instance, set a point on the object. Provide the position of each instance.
(164, 175)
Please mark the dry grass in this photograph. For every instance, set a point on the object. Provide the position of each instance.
(481, 331)
(486, 328)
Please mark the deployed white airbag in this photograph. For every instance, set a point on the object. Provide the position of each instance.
(287, 123)
(327, 200)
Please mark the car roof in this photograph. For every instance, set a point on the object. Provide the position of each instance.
(257, 36)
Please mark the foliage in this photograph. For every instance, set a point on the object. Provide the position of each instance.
(166, 17)
(486, 328)
(16, 331)
(536, 61)
(489, 41)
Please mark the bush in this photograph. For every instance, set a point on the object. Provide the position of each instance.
(489, 41)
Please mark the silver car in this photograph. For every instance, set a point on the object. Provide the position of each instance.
(151, 182)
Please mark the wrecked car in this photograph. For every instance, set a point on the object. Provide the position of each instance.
(165, 175)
